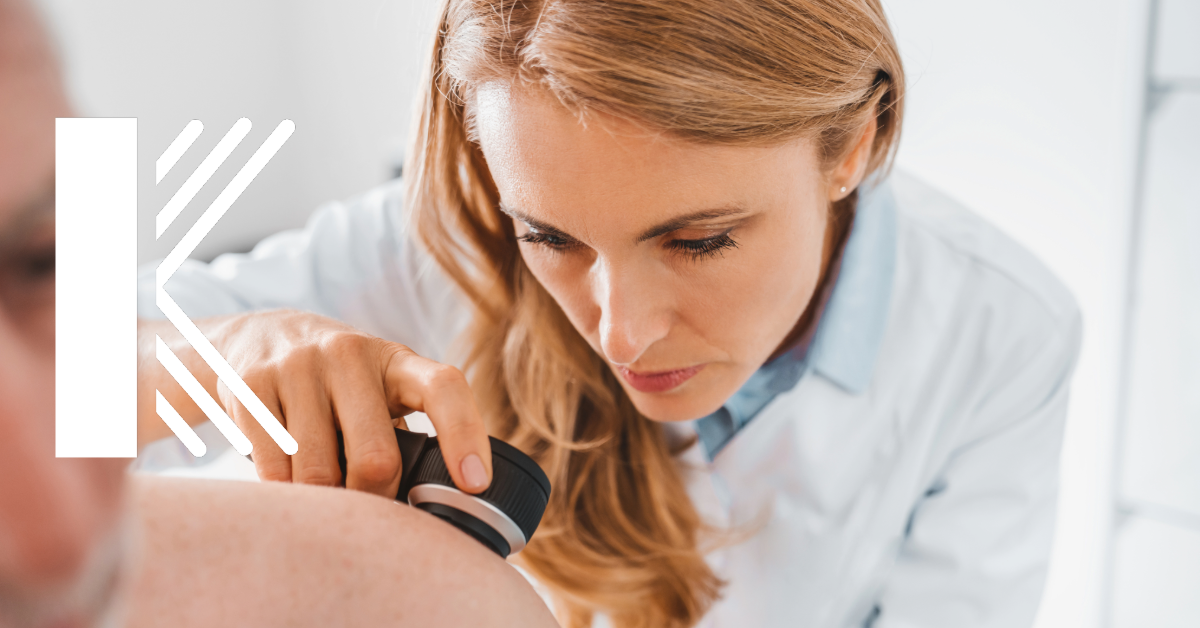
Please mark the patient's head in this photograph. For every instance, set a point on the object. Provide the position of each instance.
(59, 547)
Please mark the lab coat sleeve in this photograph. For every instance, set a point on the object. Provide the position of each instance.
(356, 262)
(978, 541)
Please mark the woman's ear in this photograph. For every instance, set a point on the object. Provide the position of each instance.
(848, 174)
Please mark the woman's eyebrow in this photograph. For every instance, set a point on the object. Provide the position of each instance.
(680, 222)
(668, 226)
(533, 223)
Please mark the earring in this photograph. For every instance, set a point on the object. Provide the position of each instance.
(843, 189)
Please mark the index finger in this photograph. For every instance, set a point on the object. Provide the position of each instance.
(441, 392)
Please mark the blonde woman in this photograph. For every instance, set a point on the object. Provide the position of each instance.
(655, 245)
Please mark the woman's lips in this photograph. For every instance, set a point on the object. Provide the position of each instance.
(658, 382)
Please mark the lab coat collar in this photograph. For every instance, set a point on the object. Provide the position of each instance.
(851, 328)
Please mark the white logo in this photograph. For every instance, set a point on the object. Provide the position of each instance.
(175, 259)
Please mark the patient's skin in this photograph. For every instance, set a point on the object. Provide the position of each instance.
(245, 554)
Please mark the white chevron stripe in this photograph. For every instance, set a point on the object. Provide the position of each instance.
(207, 404)
(184, 431)
(182, 143)
(184, 248)
(218, 364)
(204, 171)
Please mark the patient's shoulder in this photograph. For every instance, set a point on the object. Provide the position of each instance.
(272, 554)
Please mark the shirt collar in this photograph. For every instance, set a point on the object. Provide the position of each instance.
(851, 328)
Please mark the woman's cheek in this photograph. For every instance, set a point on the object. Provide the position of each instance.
(566, 281)
(555, 272)
(546, 266)
(765, 292)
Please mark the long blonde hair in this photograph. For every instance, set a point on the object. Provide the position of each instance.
(620, 535)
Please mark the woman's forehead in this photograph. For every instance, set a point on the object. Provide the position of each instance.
(544, 156)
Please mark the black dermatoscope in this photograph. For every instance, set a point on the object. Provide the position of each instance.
(503, 517)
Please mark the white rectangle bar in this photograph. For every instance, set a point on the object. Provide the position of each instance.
(96, 291)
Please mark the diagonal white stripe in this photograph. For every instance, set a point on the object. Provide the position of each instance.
(222, 203)
(184, 248)
(196, 391)
(184, 431)
(218, 364)
(204, 171)
(182, 143)
(225, 372)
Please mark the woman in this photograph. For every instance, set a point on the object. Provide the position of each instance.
(770, 384)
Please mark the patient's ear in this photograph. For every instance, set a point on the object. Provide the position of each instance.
(850, 172)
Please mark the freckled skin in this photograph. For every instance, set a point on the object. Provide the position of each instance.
(649, 306)
(287, 555)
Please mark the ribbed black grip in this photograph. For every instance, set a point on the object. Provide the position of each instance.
(519, 488)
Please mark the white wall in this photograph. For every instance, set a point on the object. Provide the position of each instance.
(1157, 537)
(1028, 112)
(1025, 110)
(344, 72)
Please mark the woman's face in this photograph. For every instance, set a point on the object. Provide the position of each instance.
(683, 265)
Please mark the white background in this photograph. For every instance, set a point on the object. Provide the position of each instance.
(1028, 111)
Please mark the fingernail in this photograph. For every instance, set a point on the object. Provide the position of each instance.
(473, 472)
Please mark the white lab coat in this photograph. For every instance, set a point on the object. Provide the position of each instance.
(922, 495)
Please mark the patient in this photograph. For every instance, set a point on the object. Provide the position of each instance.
(82, 543)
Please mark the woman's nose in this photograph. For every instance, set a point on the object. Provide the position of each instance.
(634, 312)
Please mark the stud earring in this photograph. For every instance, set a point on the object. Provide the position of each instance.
(843, 189)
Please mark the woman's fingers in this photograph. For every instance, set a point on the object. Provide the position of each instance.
(315, 374)
(441, 392)
(372, 455)
(310, 421)
(269, 460)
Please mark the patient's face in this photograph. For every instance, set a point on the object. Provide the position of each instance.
(58, 518)
(683, 265)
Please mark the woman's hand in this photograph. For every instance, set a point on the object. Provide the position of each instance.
(316, 374)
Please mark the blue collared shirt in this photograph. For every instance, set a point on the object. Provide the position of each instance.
(848, 334)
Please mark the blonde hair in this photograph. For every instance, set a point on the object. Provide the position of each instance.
(620, 535)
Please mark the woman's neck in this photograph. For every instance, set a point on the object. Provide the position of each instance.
(831, 257)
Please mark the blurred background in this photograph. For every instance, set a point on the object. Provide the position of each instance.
(1074, 125)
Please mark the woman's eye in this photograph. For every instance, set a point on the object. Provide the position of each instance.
(707, 247)
(546, 239)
